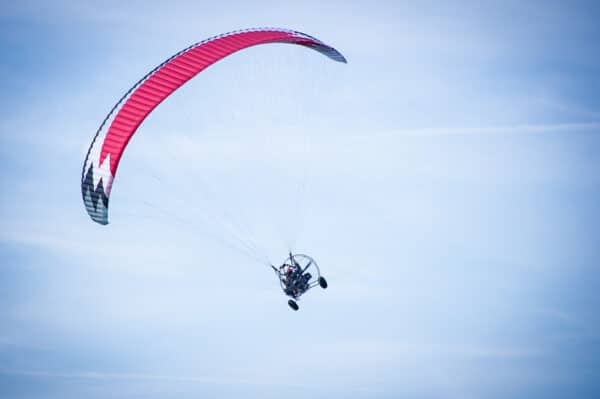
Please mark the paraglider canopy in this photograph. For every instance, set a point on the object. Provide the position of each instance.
(123, 120)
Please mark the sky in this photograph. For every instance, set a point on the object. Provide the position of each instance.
(446, 180)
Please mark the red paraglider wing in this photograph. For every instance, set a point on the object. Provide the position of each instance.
(121, 123)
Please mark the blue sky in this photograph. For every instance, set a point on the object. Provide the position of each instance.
(445, 179)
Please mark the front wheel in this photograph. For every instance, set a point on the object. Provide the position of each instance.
(293, 304)
(322, 282)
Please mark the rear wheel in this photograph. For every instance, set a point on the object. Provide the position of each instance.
(322, 282)
(293, 304)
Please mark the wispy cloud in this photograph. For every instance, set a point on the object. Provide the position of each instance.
(567, 128)
(141, 377)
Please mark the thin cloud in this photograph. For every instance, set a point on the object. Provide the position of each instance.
(94, 375)
(507, 130)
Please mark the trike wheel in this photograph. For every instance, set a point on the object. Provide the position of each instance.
(322, 282)
(293, 304)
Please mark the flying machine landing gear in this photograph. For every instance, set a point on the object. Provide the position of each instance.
(298, 274)
(293, 304)
(322, 282)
